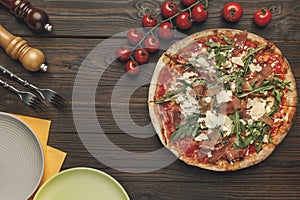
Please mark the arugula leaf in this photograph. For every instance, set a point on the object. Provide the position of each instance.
(158, 101)
(170, 95)
(277, 94)
(238, 142)
(218, 48)
(238, 81)
(224, 48)
(186, 84)
(258, 89)
(190, 128)
(281, 83)
(252, 52)
(199, 81)
(227, 40)
(257, 131)
(213, 44)
(220, 58)
(248, 59)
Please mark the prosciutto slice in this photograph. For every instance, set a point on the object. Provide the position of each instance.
(259, 77)
(239, 42)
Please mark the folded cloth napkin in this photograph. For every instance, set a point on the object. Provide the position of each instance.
(53, 158)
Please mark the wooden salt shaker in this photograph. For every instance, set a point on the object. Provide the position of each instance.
(17, 48)
(35, 18)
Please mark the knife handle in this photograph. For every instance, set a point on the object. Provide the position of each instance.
(18, 49)
(37, 19)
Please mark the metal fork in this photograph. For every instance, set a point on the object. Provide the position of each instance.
(28, 98)
(47, 94)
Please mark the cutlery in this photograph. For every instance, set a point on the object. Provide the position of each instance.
(17, 48)
(28, 98)
(47, 94)
(37, 19)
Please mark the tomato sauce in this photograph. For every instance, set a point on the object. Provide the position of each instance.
(192, 151)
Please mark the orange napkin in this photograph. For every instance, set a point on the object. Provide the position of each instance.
(53, 158)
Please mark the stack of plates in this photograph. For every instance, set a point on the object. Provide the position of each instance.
(21, 159)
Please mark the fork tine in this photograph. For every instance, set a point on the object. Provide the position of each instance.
(58, 105)
(58, 101)
(37, 105)
(60, 98)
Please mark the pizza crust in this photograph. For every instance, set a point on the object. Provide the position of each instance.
(288, 115)
(225, 166)
(291, 95)
(267, 149)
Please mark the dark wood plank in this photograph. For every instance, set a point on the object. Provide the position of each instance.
(104, 18)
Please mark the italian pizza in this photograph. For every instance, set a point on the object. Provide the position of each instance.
(222, 99)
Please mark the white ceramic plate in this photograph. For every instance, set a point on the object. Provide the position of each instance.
(21, 159)
(81, 184)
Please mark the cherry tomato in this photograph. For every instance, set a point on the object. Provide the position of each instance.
(199, 14)
(183, 21)
(151, 44)
(169, 9)
(165, 32)
(134, 36)
(132, 67)
(232, 11)
(123, 53)
(262, 17)
(141, 56)
(149, 21)
(188, 2)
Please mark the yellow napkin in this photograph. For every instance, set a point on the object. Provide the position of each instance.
(53, 158)
(40, 127)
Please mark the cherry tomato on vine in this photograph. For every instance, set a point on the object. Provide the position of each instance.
(199, 14)
(188, 2)
(134, 36)
(232, 11)
(262, 17)
(169, 9)
(141, 56)
(184, 21)
(151, 44)
(132, 67)
(165, 32)
(123, 53)
(149, 21)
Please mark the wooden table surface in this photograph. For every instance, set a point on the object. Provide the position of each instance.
(79, 26)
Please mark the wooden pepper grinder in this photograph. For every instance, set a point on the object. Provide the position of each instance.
(35, 18)
(17, 48)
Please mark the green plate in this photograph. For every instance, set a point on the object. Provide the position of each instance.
(79, 184)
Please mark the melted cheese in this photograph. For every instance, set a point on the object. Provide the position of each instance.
(213, 120)
(255, 67)
(203, 61)
(227, 126)
(266, 139)
(207, 99)
(224, 96)
(201, 137)
(188, 75)
(257, 107)
(237, 61)
(187, 102)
